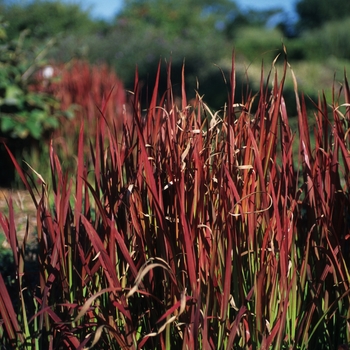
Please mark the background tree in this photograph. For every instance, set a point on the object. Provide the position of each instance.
(146, 31)
(251, 18)
(314, 13)
(46, 19)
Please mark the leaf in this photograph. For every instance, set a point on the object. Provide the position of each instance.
(9, 315)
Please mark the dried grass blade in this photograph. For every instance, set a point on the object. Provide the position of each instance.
(235, 327)
(144, 270)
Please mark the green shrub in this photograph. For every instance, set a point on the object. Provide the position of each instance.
(23, 113)
(46, 19)
(145, 47)
(26, 117)
(331, 40)
(257, 43)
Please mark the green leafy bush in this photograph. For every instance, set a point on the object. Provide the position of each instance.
(23, 113)
(257, 43)
(330, 40)
(46, 19)
(315, 13)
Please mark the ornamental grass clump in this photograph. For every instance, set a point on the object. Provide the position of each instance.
(81, 90)
(196, 229)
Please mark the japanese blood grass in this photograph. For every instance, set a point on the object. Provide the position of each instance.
(194, 233)
(81, 90)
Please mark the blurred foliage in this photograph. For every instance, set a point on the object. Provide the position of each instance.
(46, 19)
(331, 39)
(174, 18)
(249, 18)
(155, 46)
(143, 33)
(256, 43)
(203, 33)
(146, 31)
(23, 113)
(168, 29)
(26, 116)
(315, 13)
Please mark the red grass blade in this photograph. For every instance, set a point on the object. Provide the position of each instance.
(9, 315)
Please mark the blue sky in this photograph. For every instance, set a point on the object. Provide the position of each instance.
(108, 8)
